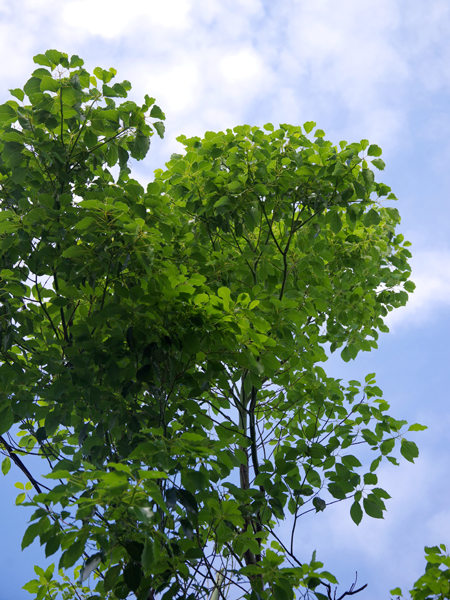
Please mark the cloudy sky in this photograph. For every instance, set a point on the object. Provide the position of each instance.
(374, 69)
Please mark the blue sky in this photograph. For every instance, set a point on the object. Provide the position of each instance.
(374, 69)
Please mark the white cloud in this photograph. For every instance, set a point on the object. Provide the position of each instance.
(348, 65)
(176, 88)
(110, 18)
(242, 67)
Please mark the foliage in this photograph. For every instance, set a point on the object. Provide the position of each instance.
(434, 584)
(162, 348)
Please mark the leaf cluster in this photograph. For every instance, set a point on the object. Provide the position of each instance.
(435, 582)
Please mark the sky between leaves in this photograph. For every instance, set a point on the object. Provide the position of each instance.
(374, 69)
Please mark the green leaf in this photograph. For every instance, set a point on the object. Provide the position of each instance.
(50, 84)
(32, 586)
(6, 465)
(356, 512)
(83, 224)
(74, 251)
(329, 577)
(7, 114)
(104, 75)
(371, 218)
(76, 61)
(370, 479)
(360, 190)
(73, 553)
(336, 223)
(345, 354)
(187, 528)
(52, 546)
(12, 154)
(280, 593)
(70, 96)
(6, 418)
(409, 450)
(41, 59)
(409, 286)
(380, 493)
(132, 575)
(188, 501)
(309, 126)
(396, 592)
(319, 504)
(375, 464)
(157, 113)
(32, 87)
(223, 201)
(109, 92)
(313, 582)
(148, 556)
(57, 58)
(313, 478)
(379, 164)
(113, 155)
(30, 534)
(111, 576)
(387, 446)
(374, 150)
(368, 177)
(417, 427)
(17, 93)
(351, 461)
(372, 509)
(21, 498)
(160, 128)
(171, 496)
(140, 146)
(292, 506)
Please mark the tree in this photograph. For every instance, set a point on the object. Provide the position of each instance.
(162, 348)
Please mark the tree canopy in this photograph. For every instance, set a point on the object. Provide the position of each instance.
(162, 348)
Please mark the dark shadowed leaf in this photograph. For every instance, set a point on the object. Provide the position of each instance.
(409, 450)
(171, 497)
(356, 512)
(132, 575)
(372, 509)
(140, 146)
(319, 504)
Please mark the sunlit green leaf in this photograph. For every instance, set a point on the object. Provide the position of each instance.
(6, 465)
(374, 150)
(417, 427)
(157, 113)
